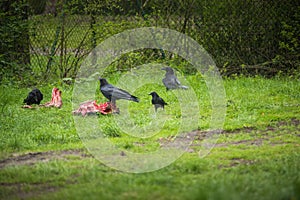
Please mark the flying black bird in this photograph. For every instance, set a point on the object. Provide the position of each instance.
(34, 97)
(113, 93)
(170, 81)
(157, 101)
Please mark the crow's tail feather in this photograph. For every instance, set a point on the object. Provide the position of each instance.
(134, 98)
(183, 87)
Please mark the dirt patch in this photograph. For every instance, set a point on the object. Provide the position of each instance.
(35, 157)
(281, 124)
(236, 162)
(36, 189)
(33, 190)
(198, 136)
(239, 130)
(256, 142)
(193, 139)
(292, 122)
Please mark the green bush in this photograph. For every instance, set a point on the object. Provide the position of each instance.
(253, 37)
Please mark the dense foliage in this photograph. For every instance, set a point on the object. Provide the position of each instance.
(14, 48)
(249, 37)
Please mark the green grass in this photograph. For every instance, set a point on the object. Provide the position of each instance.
(257, 157)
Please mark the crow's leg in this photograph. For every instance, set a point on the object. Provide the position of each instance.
(114, 108)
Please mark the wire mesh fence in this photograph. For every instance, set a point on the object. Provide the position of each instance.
(59, 43)
(242, 37)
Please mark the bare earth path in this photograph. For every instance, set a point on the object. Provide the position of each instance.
(34, 157)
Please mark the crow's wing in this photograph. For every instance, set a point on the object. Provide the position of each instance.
(177, 81)
(107, 90)
(114, 93)
(179, 84)
(38, 96)
(121, 94)
(159, 103)
(171, 82)
(162, 101)
(31, 98)
(158, 100)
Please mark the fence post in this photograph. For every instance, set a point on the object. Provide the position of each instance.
(62, 39)
(93, 39)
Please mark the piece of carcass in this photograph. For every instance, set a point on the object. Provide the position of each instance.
(56, 100)
(91, 107)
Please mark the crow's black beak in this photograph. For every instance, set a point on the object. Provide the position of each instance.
(163, 68)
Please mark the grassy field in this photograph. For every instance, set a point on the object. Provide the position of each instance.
(256, 156)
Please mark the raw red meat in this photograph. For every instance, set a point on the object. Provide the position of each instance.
(56, 100)
(91, 107)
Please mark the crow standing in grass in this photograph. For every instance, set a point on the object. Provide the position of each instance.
(157, 101)
(113, 93)
(34, 97)
(170, 81)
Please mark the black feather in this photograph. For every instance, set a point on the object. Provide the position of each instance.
(34, 97)
(170, 80)
(157, 101)
(113, 93)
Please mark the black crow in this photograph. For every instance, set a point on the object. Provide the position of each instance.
(113, 93)
(157, 101)
(170, 81)
(34, 97)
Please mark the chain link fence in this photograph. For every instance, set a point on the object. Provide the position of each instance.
(243, 37)
(58, 44)
(61, 38)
